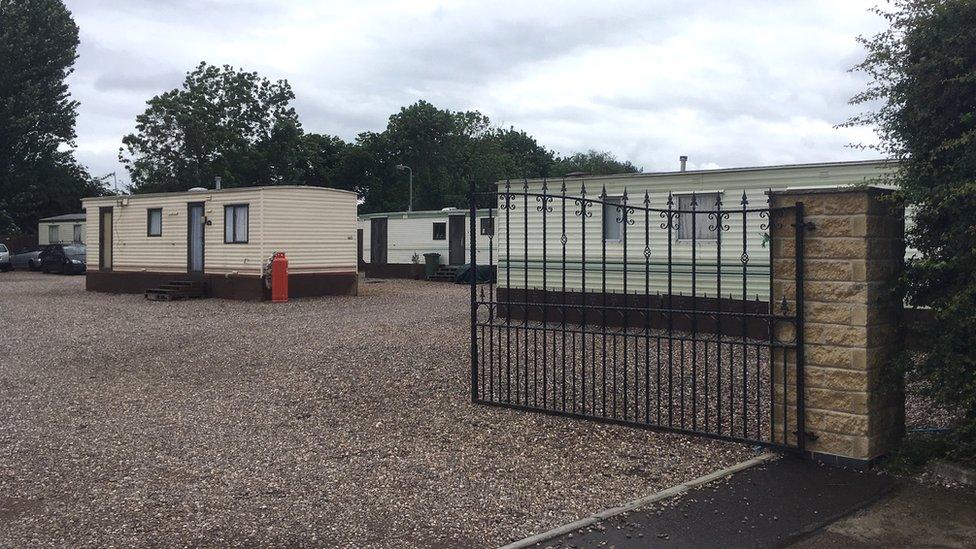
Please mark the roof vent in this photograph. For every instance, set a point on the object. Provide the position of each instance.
(198, 190)
(684, 162)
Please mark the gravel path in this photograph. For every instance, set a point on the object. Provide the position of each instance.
(321, 422)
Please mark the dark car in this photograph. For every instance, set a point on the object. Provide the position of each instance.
(64, 259)
(28, 258)
(5, 264)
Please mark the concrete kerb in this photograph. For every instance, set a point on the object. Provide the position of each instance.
(640, 502)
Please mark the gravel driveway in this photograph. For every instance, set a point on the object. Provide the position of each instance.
(321, 422)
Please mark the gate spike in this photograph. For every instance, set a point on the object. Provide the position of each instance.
(603, 193)
(562, 189)
(508, 184)
(718, 201)
(647, 199)
(769, 195)
(582, 189)
(545, 185)
(670, 199)
(694, 200)
(745, 200)
(525, 184)
(625, 195)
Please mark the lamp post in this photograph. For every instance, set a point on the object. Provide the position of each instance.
(401, 167)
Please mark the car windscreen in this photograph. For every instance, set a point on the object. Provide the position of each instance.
(3, 248)
(75, 252)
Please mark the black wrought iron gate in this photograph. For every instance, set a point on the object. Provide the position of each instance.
(657, 311)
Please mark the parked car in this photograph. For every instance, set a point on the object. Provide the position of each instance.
(27, 259)
(5, 258)
(64, 259)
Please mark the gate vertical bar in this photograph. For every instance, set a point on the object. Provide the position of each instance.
(472, 199)
(800, 226)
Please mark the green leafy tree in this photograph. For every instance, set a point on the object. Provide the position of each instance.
(923, 76)
(593, 163)
(38, 173)
(222, 122)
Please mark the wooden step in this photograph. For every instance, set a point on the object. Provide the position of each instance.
(176, 290)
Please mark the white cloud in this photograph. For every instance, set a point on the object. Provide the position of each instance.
(728, 83)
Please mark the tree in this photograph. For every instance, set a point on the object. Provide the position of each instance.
(38, 173)
(222, 122)
(923, 74)
(593, 163)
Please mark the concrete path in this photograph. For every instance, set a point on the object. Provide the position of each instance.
(766, 506)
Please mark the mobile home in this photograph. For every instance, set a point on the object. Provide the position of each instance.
(224, 239)
(606, 249)
(393, 244)
(61, 229)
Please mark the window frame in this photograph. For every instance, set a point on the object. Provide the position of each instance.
(491, 230)
(233, 218)
(443, 226)
(149, 214)
(77, 229)
(617, 201)
(54, 230)
(700, 212)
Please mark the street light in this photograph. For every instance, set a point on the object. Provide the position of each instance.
(401, 167)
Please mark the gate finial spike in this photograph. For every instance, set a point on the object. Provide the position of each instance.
(745, 199)
(582, 188)
(647, 199)
(603, 193)
(562, 189)
(694, 200)
(508, 184)
(670, 199)
(625, 195)
(718, 201)
(525, 184)
(769, 195)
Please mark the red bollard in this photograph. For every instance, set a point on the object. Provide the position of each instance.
(279, 278)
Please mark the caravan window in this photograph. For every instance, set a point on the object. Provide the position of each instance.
(487, 225)
(155, 222)
(235, 224)
(440, 230)
(707, 202)
(612, 219)
(53, 234)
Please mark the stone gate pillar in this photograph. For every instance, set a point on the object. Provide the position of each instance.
(853, 251)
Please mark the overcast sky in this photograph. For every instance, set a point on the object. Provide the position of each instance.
(727, 83)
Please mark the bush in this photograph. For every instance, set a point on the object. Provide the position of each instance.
(923, 74)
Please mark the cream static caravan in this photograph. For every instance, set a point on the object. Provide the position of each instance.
(668, 251)
(394, 243)
(224, 239)
(61, 229)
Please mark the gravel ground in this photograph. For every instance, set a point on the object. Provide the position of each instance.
(321, 422)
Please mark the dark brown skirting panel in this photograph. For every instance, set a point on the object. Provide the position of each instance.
(244, 287)
(395, 270)
(732, 325)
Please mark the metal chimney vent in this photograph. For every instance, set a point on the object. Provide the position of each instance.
(684, 162)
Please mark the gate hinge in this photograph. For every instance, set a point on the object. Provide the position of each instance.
(807, 225)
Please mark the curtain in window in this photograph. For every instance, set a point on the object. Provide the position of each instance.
(240, 223)
(707, 202)
(612, 229)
